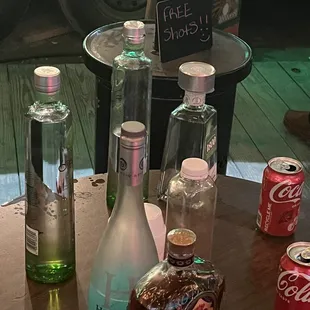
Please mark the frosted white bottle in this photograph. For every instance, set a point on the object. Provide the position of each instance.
(127, 249)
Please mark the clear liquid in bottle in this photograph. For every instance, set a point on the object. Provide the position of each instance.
(192, 128)
(191, 203)
(131, 99)
(49, 219)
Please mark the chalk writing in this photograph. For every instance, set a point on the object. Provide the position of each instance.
(187, 22)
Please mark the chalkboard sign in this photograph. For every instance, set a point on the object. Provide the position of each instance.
(184, 27)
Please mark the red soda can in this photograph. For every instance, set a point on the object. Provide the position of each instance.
(280, 197)
(293, 285)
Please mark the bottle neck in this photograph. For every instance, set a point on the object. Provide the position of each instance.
(133, 50)
(194, 100)
(44, 98)
(131, 170)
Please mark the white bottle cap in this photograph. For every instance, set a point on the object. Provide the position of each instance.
(194, 169)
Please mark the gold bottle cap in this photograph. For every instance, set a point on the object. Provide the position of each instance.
(181, 241)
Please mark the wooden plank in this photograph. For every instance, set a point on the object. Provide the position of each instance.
(83, 85)
(232, 169)
(260, 129)
(283, 84)
(9, 179)
(245, 154)
(284, 54)
(275, 108)
(261, 111)
(23, 94)
(300, 72)
(294, 98)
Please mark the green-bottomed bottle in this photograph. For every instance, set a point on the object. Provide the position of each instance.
(130, 100)
(49, 227)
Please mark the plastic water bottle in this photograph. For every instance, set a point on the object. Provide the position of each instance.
(191, 203)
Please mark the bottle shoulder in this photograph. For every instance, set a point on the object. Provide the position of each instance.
(184, 187)
(131, 63)
(203, 114)
(171, 286)
(53, 112)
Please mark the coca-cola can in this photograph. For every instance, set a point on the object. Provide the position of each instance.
(293, 285)
(280, 197)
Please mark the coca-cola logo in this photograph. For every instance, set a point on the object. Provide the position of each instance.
(285, 192)
(287, 285)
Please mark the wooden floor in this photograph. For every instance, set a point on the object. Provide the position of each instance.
(257, 135)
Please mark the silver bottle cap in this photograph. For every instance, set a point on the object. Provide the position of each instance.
(133, 129)
(134, 30)
(198, 77)
(47, 79)
(181, 242)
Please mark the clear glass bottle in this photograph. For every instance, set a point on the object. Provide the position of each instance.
(192, 128)
(49, 229)
(127, 249)
(178, 282)
(191, 203)
(131, 99)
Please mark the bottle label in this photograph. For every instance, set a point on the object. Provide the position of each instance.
(63, 185)
(180, 262)
(210, 153)
(32, 240)
(194, 99)
(204, 301)
(131, 164)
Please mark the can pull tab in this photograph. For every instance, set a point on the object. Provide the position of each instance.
(291, 168)
(305, 255)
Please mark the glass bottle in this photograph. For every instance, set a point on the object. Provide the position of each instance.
(192, 128)
(178, 282)
(127, 249)
(49, 229)
(191, 203)
(131, 99)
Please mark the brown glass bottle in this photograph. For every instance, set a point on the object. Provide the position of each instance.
(181, 281)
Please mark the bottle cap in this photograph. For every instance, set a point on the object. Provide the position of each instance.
(134, 30)
(194, 169)
(47, 79)
(198, 77)
(133, 129)
(181, 241)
